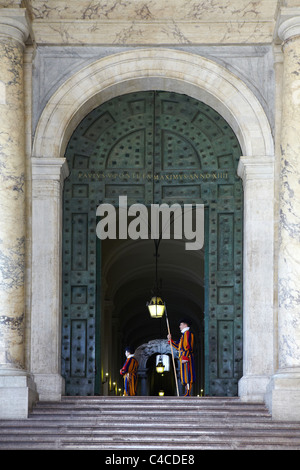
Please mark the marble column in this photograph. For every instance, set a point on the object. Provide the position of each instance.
(15, 383)
(257, 174)
(48, 176)
(284, 391)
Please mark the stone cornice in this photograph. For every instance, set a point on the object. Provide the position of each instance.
(256, 168)
(159, 22)
(140, 32)
(49, 169)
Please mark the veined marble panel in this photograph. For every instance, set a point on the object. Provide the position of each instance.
(10, 3)
(141, 32)
(155, 9)
(292, 3)
(289, 255)
(139, 22)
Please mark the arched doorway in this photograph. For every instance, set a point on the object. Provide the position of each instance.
(150, 382)
(154, 147)
(206, 81)
(129, 271)
(160, 383)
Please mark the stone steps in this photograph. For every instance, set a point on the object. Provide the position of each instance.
(147, 423)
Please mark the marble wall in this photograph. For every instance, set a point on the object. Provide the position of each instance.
(84, 52)
(153, 9)
(137, 22)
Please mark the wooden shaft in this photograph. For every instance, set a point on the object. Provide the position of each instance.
(168, 326)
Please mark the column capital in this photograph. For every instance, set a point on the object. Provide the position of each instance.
(258, 167)
(288, 23)
(14, 24)
(44, 168)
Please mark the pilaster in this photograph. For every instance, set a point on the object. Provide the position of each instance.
(257, 174)
(48, 175)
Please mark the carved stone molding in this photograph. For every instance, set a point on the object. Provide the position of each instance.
(14, 24)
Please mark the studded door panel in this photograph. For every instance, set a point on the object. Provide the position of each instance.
(154, 147)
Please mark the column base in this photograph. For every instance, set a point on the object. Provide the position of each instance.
(50, 387)
(283, 395)
(252, 388)
(18, 394)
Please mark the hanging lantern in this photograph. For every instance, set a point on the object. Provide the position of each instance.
(160, 366)
(156, 307)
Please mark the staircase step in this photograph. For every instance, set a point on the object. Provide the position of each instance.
(149, 423)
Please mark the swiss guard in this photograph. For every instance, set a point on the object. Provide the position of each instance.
(129, 372)
(185, 348)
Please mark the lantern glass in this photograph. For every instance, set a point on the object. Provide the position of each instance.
(160, 367)
(156, 307)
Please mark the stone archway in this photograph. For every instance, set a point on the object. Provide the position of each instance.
(144, 352)
(156, 346)
(156, 148)
(160, 69)
(138, 71)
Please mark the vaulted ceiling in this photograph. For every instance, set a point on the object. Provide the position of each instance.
(129, 272)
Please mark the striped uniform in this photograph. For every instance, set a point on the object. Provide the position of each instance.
(185, 348)
(129, 372)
